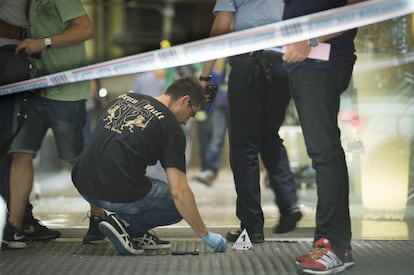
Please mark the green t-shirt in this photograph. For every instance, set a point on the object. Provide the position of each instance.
(49, 17)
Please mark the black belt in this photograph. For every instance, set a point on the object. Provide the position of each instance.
(251, 54)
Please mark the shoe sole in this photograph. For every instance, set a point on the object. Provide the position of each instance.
(41, 239)
(330, 271)
(13, 245)
(154, 246)
(113, 235)
(339, 269)
(347, 265)
(93, 239)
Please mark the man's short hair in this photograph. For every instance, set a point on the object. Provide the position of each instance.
(187, 86)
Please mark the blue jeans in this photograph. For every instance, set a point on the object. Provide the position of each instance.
(211, 135)
(157, 208)
(258, 97)
(316, 93)
(65, 118)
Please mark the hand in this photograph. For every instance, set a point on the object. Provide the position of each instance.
(297, 52)
(215, 242)
(30, 46)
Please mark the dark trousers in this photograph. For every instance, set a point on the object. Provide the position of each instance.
(316, 93)
(6, 131)
(258, 97)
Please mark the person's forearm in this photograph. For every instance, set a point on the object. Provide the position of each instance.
(79, 31)
(207, 67)
(186, 206)
(223, 23)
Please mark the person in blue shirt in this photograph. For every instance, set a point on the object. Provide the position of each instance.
(258, 95)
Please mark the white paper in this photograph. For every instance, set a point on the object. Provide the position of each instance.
(320, 52)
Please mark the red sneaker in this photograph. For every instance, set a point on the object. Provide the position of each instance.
(322, 259)
(348, 259)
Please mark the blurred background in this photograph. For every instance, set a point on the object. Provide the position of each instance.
(376, 117)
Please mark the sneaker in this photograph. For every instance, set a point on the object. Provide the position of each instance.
(114, 229)
(206, 177)
(93, 234)
(288, 220)
(233, 235)
(37, 231)
(13, 238)
(348, 259)
(151, 241)
(322, 260)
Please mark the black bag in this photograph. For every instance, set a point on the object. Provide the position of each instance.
(13, 67)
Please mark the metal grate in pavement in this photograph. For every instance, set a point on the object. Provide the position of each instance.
(70, 256)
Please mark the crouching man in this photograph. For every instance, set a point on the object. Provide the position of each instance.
(136, 131)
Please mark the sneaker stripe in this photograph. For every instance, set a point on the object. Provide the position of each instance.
(328, 263)
(149, 241)
(116, 233)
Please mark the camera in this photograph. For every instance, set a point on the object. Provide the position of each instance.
(210, 91)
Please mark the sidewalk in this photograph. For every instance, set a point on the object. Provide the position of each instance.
(379, 246)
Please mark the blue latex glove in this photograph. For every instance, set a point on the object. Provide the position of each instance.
(215, 242)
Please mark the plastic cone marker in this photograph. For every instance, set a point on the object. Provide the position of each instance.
(243, 242)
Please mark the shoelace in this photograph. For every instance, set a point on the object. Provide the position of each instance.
(318, 252)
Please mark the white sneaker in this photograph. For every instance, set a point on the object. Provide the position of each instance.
(207, 177)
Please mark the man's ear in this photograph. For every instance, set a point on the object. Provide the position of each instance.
(185, 98)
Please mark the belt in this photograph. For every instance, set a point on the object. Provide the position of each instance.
(249, 54)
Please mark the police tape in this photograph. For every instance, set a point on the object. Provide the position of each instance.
(266, 36)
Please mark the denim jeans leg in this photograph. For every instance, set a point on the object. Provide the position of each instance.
(316, 93)
(218, 124)
(157, 208)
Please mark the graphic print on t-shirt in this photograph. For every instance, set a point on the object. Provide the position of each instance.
(128, 113)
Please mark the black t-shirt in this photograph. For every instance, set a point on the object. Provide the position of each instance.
(133, 132)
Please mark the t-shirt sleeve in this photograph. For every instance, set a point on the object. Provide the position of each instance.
(174, 152)
(224, 5)
(70, 9)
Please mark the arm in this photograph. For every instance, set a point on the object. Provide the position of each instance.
(80, 30)
(223, 23)
(184, 200)
(297, 52)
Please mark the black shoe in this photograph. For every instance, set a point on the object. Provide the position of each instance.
(12, 238)
(114, 230)
(233, 235)
(93, 234)
(36, 231)
(288, 220)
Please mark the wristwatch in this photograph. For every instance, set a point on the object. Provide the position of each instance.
(48, 42)
(205, 78)
(313, 42)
